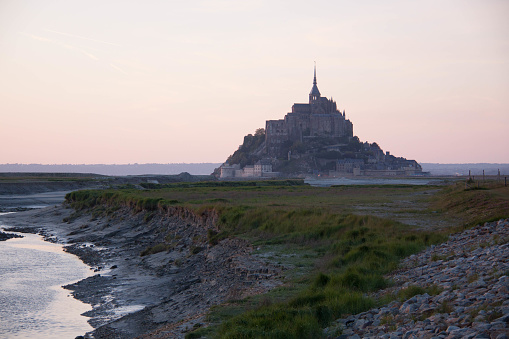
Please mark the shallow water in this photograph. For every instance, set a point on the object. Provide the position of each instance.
(368, 181)
(32, 302)
(39, 200)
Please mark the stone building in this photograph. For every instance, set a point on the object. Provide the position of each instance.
(319, 117)
(262, 168)
(228, 171)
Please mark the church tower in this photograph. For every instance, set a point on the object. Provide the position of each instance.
(315, 93)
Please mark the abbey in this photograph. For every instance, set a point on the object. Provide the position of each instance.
(315, 138)
(320, 117)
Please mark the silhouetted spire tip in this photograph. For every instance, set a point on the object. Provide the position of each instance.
(314, 79)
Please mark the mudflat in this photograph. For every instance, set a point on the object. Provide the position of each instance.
(13, 203)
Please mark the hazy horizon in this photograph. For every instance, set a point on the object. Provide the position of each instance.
(210, 162)
(208, 168)
(124, 82)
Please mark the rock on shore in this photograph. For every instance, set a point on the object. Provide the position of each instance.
(6, 236)
(471, 269)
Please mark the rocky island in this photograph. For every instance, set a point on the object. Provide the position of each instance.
(315, 138)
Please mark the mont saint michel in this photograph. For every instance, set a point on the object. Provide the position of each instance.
(315, 138)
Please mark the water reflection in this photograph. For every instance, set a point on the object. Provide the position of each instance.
(32, 302)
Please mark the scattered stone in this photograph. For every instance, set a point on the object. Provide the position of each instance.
(6, 236)
(471, 269)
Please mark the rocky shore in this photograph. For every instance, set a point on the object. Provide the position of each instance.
(469, 275)
(154, 271)
(6, 236)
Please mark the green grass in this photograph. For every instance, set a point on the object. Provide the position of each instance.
(355, 252)
(281, 195)
(413, 290)
(473, 206)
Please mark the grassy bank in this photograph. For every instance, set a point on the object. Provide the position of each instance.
(471, 204)
(353, 253)
(335, 248)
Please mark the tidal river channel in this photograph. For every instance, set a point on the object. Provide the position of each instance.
(327, 182)
(32, 302)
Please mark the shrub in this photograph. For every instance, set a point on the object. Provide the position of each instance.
(321, 280)
(196, 249)
(214, 237)
(155, 249)
(409, 292)
(444, 308)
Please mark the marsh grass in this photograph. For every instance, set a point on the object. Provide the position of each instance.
(358, 251)
(473, 206)
(334, 257)
(155, 249)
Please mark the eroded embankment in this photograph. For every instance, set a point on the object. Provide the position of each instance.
(160, 263)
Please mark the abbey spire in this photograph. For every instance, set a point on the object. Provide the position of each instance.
(315, 93)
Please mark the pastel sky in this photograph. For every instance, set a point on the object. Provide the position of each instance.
(86, 82)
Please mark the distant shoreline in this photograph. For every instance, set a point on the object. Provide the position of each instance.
(435, 169)
(114, 170)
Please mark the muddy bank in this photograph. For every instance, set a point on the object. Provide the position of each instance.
(170, 287)
(30, 187)
(24, 191)
(34, 183)
(19, 203)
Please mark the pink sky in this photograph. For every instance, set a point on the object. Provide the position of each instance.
(168, 82)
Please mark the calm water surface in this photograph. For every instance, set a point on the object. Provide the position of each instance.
(32, 302)
(368, 181)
